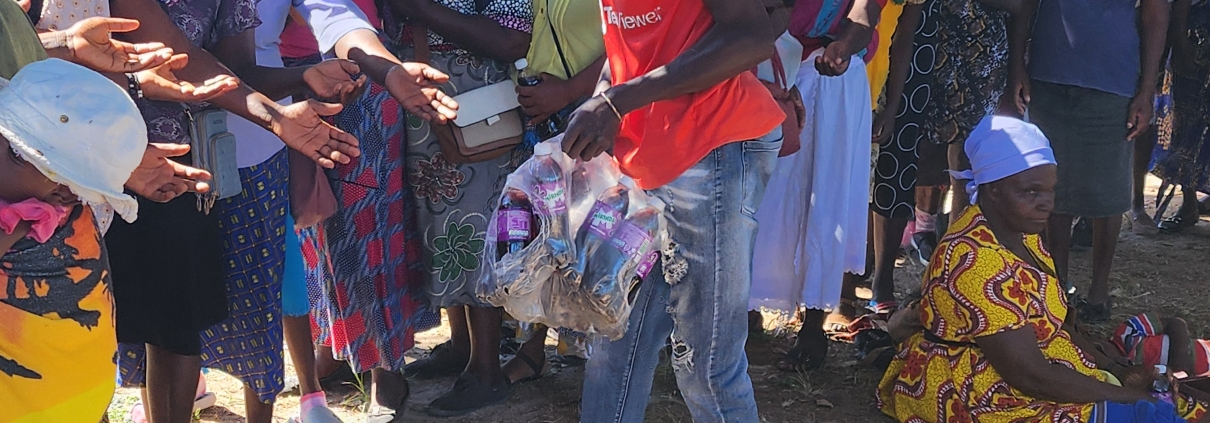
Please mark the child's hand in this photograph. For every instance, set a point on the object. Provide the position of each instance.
(1139, 378)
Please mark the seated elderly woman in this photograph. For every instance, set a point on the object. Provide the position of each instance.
(994, 346)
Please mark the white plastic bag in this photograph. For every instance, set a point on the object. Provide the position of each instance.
(573, 242)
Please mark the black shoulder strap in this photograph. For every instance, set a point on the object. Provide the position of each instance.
(554, 33)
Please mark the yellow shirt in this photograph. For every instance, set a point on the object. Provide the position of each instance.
(577, 25)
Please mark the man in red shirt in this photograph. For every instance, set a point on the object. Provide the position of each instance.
(684, 117)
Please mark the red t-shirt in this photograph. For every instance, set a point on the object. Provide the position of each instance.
(660, 141)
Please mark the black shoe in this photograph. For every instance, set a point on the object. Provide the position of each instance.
(1081, 235)
(441, 362)
(923, 245)
(469, 395)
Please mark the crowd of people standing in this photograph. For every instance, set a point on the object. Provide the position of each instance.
(284, 179)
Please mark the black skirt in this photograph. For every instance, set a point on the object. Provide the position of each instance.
(167, 275)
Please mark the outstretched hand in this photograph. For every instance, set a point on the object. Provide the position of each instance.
(332, 80)
(301, 127)
(159, 179)
(88, 43)
(414, 86)
(162, 84)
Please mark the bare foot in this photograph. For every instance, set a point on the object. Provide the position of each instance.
(1142, 223)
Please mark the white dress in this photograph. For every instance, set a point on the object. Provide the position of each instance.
(814, 215)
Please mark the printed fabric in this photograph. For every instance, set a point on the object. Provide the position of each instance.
(971, 68)
(974, 287)
(57, 341)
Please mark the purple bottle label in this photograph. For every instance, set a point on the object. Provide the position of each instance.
(603, 220)
(513, 225)
(631, 240)
(647, 264)
(553, 198)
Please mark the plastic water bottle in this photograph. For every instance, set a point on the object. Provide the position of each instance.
(542, 130)
(551, 189)
(526, 77)
(1161, 388)
(606, 276)
(603, 219)
(515, 225)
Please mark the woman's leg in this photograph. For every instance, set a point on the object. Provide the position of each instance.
(888, 232)
(810, 347)
(958, 162)
(1138, 204)
(485, 345)
(390, 389)
(257, 411)
(302, 352)
(171, 385)
(1104, 245)
(534, 349)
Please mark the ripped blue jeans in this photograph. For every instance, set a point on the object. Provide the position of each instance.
(700, 297)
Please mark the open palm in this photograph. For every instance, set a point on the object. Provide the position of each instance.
(91, 46)
(414, 86)
(302, 128)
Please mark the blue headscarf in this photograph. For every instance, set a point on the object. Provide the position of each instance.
(1002, 146)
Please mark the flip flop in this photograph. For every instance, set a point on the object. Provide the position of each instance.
(534, 366)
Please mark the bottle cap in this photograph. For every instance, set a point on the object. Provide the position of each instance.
(521, 64)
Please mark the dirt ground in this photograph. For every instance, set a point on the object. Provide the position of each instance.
(1164, 273)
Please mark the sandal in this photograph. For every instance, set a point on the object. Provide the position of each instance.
(1177, 224)
(469, 395)
(838, 320)
(809, 352)
(441, 362)
(534, 366)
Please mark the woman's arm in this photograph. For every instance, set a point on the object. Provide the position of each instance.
(855, 34)
(298, 125)
(477, 34)
(1154, 18)
(1016, 95)
(413, 85)
(903, 44)
(1016, 357)
(329, 80)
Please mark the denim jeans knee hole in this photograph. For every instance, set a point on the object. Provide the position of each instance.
(682, 355)
(675, 265)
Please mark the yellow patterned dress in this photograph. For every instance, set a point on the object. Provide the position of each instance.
(975, 287)
(57, 339)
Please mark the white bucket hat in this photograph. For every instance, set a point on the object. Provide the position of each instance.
(78, 128)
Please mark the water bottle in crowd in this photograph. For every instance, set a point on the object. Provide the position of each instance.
(542, 130)
(628, 248)
(515, 225)
(551, 189)
(603, 219)
(1162, 388)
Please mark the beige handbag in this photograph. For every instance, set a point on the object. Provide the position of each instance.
(489, 118)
